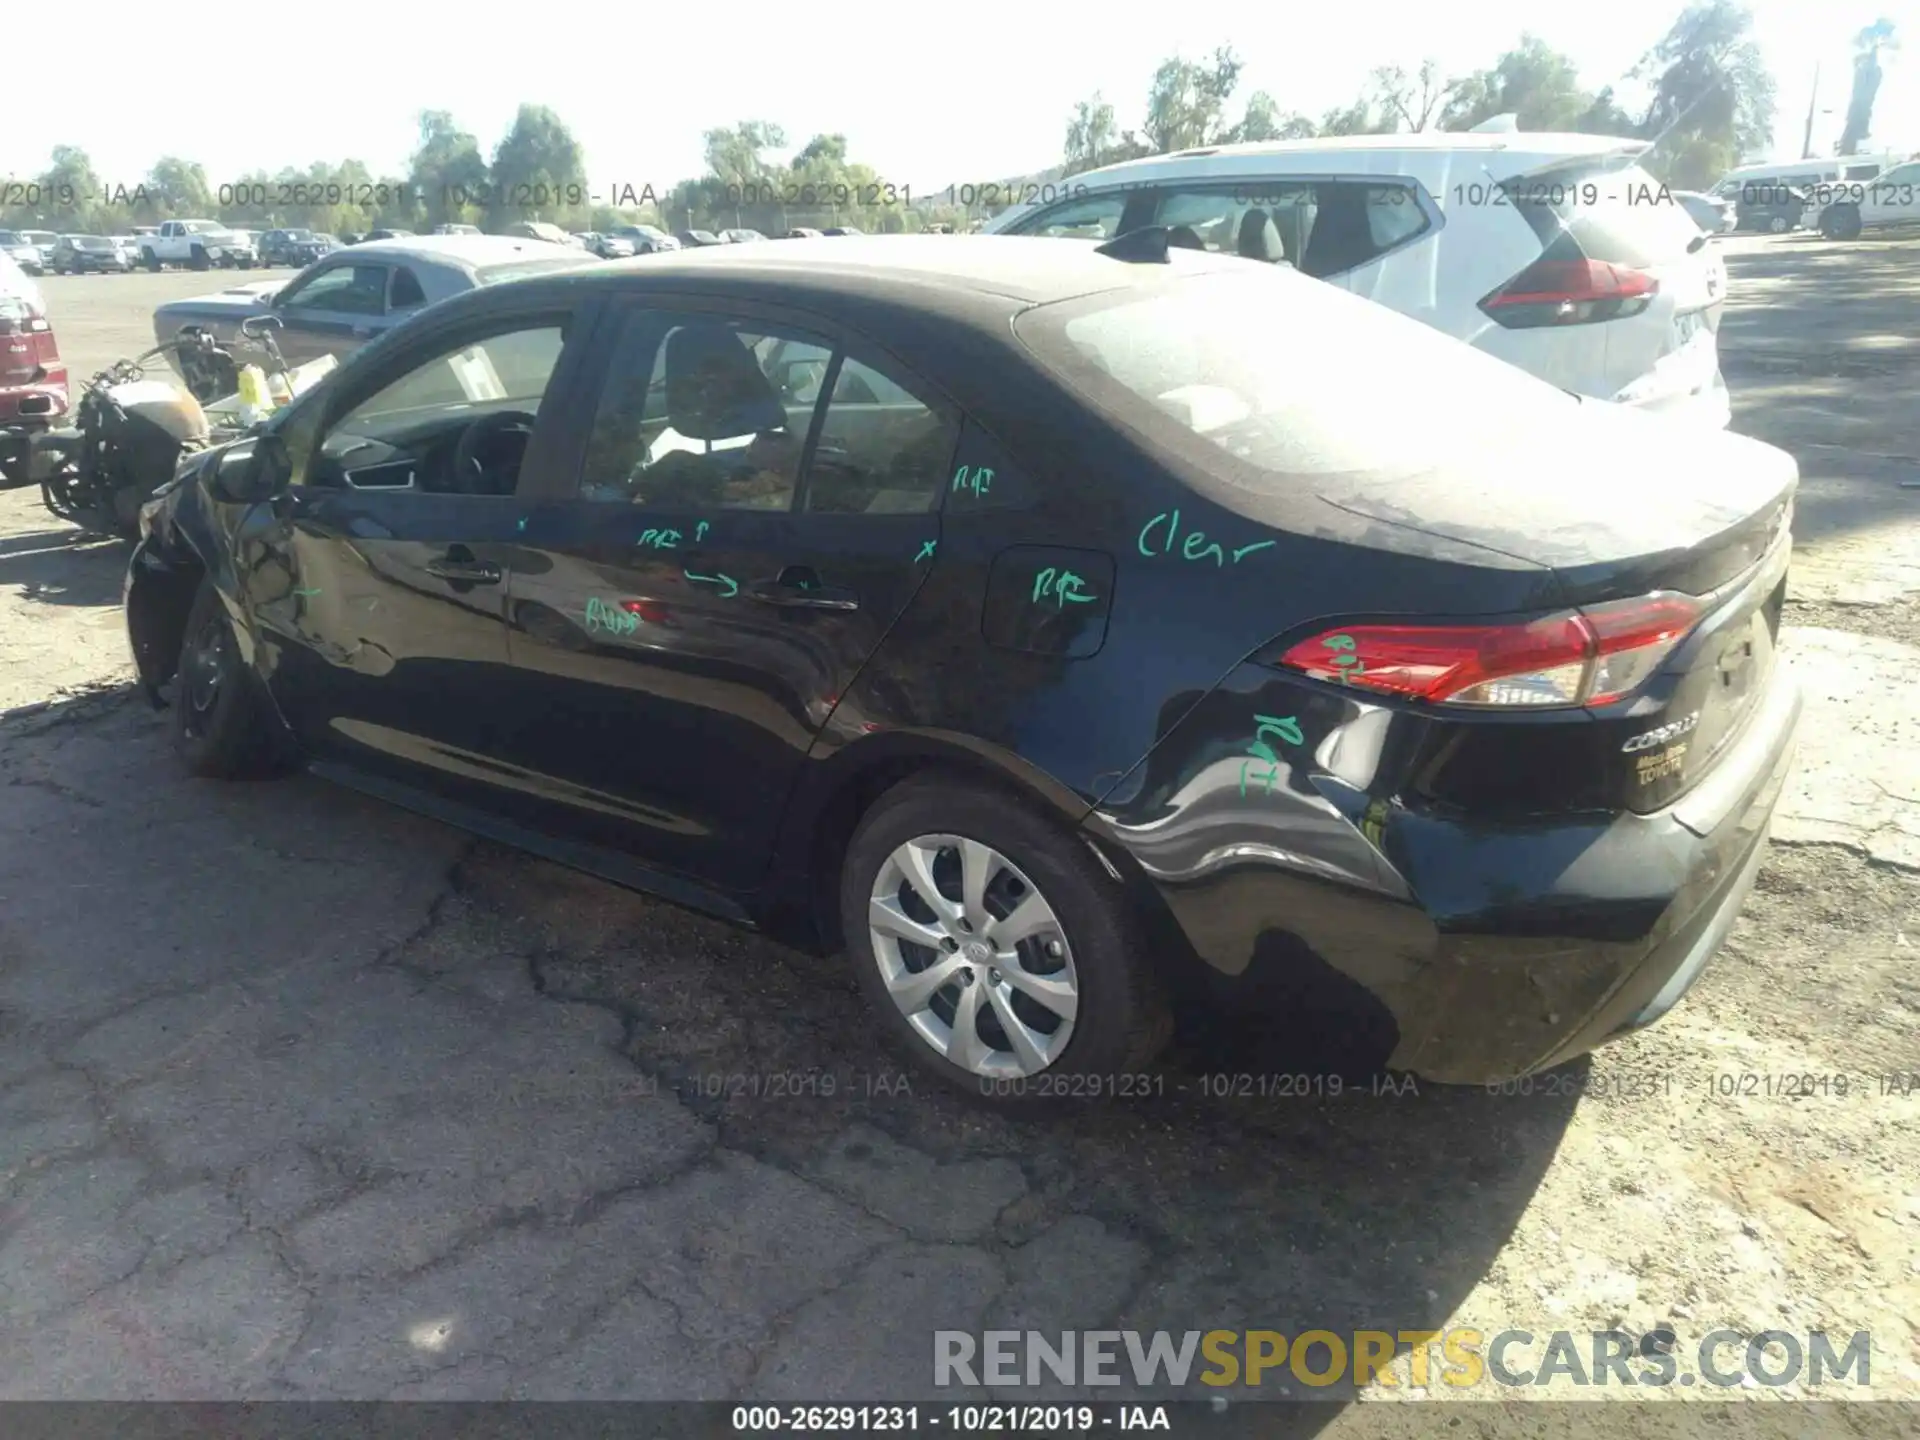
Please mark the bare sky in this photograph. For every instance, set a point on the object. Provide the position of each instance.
(926, 96)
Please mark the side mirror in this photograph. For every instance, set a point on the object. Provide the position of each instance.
(251, 470)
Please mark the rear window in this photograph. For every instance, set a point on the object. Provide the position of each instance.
(1195, 366)
(522, 269)
(1622, 216)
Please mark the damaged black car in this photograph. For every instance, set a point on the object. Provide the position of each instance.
(1054, 630)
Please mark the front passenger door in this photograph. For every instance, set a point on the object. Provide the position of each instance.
(378, 578)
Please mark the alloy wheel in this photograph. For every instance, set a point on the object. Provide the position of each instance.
(973, 956)
(206, 666)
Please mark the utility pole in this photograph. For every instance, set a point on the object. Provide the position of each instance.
(1806, 144)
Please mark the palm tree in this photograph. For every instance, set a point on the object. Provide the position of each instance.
(1867, 46)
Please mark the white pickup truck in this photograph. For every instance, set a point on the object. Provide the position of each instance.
(201, 244)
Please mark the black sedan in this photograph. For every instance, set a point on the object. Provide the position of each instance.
(1045, 626)
(81, 254)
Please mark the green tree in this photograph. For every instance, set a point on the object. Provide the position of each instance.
(1362, 117)
(70, 192)
(1093, 137)
(1867, 46)
(539, 158)
(1262, 120)
(1187, 102)
(446, 172)
(1532, 81)
(178, 190)
(1712, 93)
(1415, 101)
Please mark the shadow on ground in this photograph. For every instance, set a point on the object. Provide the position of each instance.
(610, 1148)
(64, 567)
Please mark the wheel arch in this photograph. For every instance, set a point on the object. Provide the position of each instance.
(828, 805)
(162, 579)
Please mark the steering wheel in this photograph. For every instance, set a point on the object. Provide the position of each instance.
(469, 474)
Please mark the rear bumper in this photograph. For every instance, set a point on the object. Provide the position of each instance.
(1484, 952)
(37, 405)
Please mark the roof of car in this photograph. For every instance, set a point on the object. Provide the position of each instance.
(1014, 268)
(472, 252)
(1426, 146)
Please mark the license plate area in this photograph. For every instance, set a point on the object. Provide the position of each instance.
(1709, 708)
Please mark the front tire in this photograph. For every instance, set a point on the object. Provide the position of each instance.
(222, 727)
(1841, 222)
(995, 950)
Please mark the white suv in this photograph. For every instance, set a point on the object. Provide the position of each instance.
(1558, 253)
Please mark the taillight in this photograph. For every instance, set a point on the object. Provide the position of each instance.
(1570, 292)
(1577, 657)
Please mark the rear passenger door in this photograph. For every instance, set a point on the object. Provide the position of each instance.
(758, 503)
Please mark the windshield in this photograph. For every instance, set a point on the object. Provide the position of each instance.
(1265, 379)
(89, 242)
(38, 237)
(299, 234)
(204, 227)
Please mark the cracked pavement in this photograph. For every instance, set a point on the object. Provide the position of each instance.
(305, 1097)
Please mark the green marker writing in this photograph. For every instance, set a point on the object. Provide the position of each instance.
(730, 586)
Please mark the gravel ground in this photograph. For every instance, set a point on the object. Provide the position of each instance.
(303, 1097)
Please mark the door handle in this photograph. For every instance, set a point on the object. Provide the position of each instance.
(464, 569)
(798, 588)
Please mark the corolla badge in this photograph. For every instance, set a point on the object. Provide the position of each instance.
(1646, 740)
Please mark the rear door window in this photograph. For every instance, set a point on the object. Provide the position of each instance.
(1189, 367)
(406, 292)
(1622, 216)
(1322, 227)
(881, 451)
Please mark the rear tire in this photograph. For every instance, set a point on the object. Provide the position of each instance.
(223, 727)
(152, 262)
(1057, 1005)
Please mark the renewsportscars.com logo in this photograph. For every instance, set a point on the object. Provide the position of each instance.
(1470, 1358)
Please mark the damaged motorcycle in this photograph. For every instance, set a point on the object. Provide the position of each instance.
(131, 431)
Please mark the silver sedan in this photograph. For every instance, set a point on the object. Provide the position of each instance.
(347, 298)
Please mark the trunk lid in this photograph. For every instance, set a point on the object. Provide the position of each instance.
(1615, 502)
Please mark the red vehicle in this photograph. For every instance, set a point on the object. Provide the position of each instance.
(33, 377)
